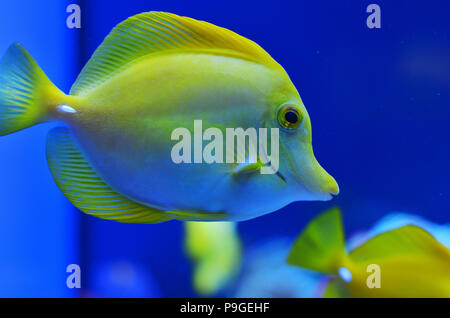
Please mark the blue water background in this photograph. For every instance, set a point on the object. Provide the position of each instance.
(379, 100)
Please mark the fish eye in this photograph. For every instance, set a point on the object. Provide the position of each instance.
(289, 117)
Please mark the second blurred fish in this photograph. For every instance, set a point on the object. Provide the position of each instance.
(409, 260)
(215, 248)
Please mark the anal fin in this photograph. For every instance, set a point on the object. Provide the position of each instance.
(81, 184)
(199, 216)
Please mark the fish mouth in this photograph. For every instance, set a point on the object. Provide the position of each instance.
(310, 175)
(332, 188)
(323, 187)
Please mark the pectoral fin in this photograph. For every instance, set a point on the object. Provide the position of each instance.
(245, 159)
(245, 168)
(81, 184)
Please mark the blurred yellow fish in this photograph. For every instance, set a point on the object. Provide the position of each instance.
(404, 262)
(155, 77)
(215, 248)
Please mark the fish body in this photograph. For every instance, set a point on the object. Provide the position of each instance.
(156, 73)
(402, 276)
(201, 93)
(403, 262)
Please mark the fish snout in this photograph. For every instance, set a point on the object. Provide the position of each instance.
(316, 179)
(331, 187)
(323, 184)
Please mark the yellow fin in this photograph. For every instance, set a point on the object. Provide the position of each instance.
(215, 248)
(334, 290)
(22, 86)
(160, 32)
(244, 168)
(85, 188)
(246, 158)
(406, 240)
(198, 216)
(321, 245)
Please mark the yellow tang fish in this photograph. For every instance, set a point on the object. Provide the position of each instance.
(216, 250)
(404, 262)
(123, 155)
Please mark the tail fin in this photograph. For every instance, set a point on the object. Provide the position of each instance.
(22, 89)
(320, 247)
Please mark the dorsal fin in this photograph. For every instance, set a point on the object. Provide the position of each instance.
(160, 32)
(81, 184)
